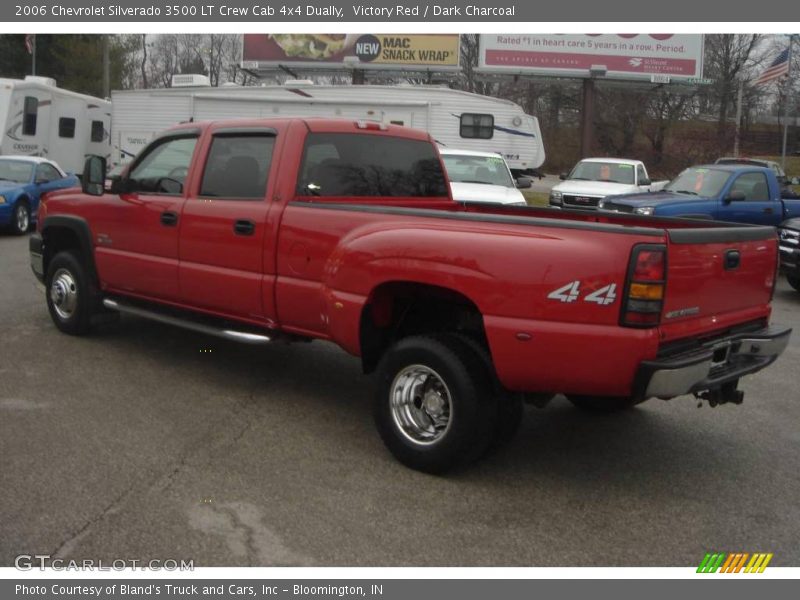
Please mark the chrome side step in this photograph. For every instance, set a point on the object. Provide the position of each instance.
(228, 334)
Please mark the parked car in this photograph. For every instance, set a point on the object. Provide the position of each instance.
(482, 177)
(23, 179)
(737, 193)
(789, 235)
(346, 231)
(595, 178)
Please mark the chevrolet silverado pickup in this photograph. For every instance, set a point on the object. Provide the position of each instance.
(734, 193)
(339, 230)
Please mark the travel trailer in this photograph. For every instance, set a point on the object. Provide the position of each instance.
(455, 119)
(40, 119)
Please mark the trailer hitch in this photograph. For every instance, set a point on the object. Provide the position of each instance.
(724, 394)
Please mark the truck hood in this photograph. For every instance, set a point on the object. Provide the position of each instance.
(653, 198)
(481, 192)
(594, 188)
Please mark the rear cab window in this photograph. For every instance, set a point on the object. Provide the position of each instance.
(362, 165)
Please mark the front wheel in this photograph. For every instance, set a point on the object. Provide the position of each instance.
(433, 403)
(602, 404)
(21, 219)
(794, 281)
(69, 294)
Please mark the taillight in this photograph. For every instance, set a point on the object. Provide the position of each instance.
(644, 289)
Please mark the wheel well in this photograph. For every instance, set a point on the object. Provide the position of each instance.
(398, 309)
(58, 239)
(24, 199)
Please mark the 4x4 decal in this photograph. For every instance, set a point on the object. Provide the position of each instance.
(571, 292)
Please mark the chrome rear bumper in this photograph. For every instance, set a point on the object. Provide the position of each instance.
(712, 366)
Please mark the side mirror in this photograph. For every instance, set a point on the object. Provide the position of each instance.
(94, 176)
(523, 183)
(563, 176)
(645, 181)
(735, 196)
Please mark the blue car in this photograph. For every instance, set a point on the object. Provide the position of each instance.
(23, 180)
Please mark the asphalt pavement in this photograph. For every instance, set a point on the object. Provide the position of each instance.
(146, 442)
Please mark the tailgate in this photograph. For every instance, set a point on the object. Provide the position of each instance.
(717, 278)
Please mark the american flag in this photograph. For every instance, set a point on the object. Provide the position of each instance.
(778, 68)
(29, 42)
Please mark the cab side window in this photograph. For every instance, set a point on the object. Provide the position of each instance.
(640, 175)
(753, 185)
(238, 166)
(163, 167)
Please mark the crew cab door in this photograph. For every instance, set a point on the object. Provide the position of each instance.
(754, 204)
(224, 222)
(136, 231)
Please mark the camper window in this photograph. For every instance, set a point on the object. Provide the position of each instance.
(66, 127)
(238, 166)
(98, 131)
(30, 113)
(477, 126)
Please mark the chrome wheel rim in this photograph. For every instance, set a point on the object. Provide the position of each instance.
(64, 293)
(23, 219)
(421, 404)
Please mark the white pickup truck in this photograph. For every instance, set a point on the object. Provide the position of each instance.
(592, 179)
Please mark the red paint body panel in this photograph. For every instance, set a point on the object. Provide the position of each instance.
(312, 264)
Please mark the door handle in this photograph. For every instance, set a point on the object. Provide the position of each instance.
(169, 218)
(244, 227)
(768, 210)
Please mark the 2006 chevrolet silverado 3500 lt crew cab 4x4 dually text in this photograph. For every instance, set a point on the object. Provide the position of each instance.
(345, 231)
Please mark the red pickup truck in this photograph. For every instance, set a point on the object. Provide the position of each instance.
(345, 231)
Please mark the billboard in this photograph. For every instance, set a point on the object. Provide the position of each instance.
(654, 57)
(363, 51)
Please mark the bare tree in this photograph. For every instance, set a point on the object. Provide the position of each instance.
(728, 57)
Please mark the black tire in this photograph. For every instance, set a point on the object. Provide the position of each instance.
(794, 281)
(21, 219)
(457, 380)
(508, 406)
(603, 404)
(70, 294)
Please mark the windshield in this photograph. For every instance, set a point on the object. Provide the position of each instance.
(15, 170)
(603, 171)
(699, 182)
(490, 170)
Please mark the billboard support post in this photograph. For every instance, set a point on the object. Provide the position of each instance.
(587, 114)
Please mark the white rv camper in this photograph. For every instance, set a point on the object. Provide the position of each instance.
(454, 118)
(40, 119)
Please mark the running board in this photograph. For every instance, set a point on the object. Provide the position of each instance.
(244, 337)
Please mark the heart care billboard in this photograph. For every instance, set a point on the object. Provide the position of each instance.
(656, 57)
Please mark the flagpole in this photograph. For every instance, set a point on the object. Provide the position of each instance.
(787, 88)
(33, 54)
